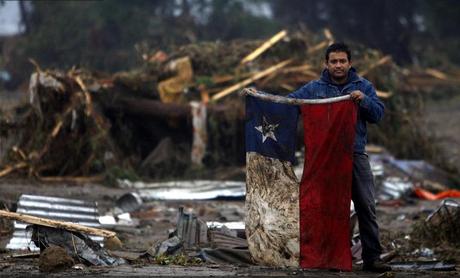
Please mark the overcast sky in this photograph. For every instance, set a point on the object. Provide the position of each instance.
(9, 18)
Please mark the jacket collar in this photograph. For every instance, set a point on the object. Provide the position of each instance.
(352, 77)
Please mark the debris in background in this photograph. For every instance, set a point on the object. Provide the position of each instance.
(394, 188)
(212, 243)
(200, 136)
(78, 211)
(57, 224)
(129, 114)
(427, 195)
(187, 190)
(191, 230)
(237, 226)
(423, 265)
(225, 238)
(171, 90)
(128, 202)
(418, 169)
(227, 256)
(120, 215)
(61, 109)
(76, 244)
(169, 247)
(266, 45)
(250, 80)
(439, 230)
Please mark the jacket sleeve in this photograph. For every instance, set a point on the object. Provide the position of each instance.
(371, 107)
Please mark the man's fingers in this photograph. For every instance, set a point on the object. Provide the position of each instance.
(356, 96)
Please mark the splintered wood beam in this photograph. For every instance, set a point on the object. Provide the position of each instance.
(9, 169)
(248, 81)
(56, 224)
(266, 45)
(437, 74)
(75, 179)
(301, 68)
(380, 62)
(317, 47)
(383, 94)
(328, 35)
(88, 100)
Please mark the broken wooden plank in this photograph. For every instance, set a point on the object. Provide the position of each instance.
(97, 178)
(9, 169)
(318, 47)
(248, 81)
(287, 87)
(56, 224)
(437, 74)
(300, 68)
(374, 149)
(380, 62)
(328, 34)
(383, 94)
(88, 100)
(266, 45)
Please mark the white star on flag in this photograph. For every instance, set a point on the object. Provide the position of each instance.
(267, 130)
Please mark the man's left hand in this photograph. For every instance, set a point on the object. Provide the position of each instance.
(357, 96)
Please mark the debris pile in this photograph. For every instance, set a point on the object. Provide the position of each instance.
(440, 228)
(60, 132)
(175, 114)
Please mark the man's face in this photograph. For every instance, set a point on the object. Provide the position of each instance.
(338, 65)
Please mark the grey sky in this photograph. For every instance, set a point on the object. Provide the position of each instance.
(9, 18)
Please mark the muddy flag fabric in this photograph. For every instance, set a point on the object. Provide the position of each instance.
(304, 225)
(272, 196)
(325, 188)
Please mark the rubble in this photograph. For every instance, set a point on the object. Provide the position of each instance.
(77, 245)
(187, 190)
(78, 211)
(55, 258)
(100, 113)
(440, 226)
(179, 116)
(433, 265)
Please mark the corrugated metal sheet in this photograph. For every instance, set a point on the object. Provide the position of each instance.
(187, 190)
(63, 209)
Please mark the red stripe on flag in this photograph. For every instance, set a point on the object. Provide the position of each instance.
(325, 189)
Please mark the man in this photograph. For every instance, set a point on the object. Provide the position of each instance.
(337, 79)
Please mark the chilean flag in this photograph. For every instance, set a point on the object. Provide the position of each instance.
(302, 224)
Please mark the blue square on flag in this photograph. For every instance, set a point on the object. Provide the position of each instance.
(271, 128)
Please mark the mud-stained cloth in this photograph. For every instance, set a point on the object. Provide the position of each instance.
(283, 229)
(272, 189)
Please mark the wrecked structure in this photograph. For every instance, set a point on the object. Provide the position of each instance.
(179, 111)
(179, 116)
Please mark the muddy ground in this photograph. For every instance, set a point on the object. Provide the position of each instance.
(159, 216)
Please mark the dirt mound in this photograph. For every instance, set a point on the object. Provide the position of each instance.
(54, 259)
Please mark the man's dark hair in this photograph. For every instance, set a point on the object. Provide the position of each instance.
(338, 47)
